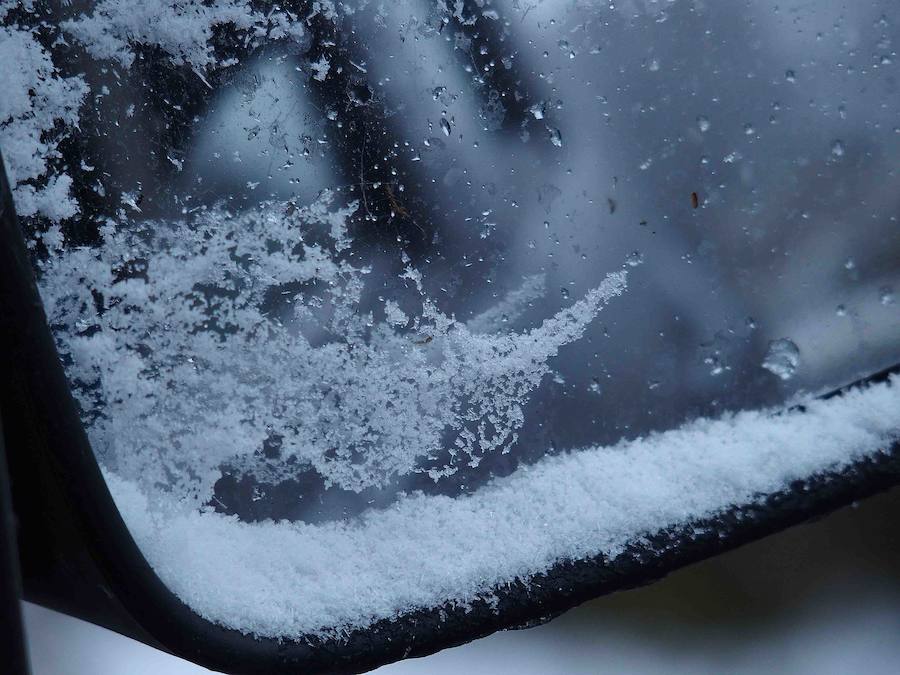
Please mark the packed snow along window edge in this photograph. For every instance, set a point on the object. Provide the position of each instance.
(287, 580)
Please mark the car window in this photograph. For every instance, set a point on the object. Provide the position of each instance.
(373, 306)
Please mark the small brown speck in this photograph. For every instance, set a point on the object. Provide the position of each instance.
(695, 200)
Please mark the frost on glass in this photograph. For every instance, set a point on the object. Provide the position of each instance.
(370, 307)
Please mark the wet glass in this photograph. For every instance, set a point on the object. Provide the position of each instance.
(417, 246)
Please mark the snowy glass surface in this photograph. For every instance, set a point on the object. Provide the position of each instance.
(368, 267)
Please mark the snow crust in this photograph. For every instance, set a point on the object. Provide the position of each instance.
(283, 580)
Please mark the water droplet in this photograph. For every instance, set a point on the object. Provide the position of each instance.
(886, 295)
(841, 310)
(837, 148)
(653, 66)
(703, 123)
(555, 137)
(850, 264)
(634, 259)
(749, 130)
(445, 126)
(782, 358)
(790, 76)
(565, 292)
(595, 387)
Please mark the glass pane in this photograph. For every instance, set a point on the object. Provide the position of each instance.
(369, 306)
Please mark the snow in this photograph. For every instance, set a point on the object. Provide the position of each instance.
(191, 352)
(6, 6)
(40, 107)
(320, 68)
(515, 302)
(191, 343)
(183, 29)
(283, 579)
(36, 98)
